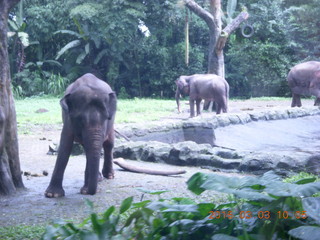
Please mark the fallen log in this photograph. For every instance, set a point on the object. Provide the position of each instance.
(123, 164)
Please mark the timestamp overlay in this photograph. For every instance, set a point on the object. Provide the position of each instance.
(218, 214)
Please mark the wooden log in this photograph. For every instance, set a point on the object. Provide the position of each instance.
(123, 164)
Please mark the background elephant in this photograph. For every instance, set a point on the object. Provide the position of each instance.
(203, 86)
(304, 79)
(88, 112)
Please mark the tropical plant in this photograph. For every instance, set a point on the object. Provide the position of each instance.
(260, 208)
(19, 40)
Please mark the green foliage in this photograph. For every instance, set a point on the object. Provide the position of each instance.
(107, 38)
(300, 176)
(38, 82)
(261, 208)
(268, 49)
(21, 232)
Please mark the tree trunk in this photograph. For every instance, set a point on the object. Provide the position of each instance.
(217, 37)
(213, 21)
(10, 173)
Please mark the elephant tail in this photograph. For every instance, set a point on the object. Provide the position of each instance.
(227, 94)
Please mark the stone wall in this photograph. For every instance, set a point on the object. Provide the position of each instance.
(190, 142)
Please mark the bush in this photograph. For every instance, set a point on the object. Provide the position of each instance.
(36, 83)
(260, 208)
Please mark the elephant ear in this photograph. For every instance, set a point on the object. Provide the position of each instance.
(65, 102)
(181, 82)
(111, 105)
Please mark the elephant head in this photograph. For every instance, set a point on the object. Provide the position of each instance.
(182, 88)
(88, 111)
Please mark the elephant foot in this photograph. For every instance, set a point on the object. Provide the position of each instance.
(108, 174)
(53, 192)
(100, 177)
(85, 191)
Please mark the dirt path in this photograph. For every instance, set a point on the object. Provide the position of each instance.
(31, 207)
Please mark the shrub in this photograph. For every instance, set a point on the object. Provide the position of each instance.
(260, 208)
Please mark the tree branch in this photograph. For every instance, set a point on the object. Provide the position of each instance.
(230, 28)
(204, 14)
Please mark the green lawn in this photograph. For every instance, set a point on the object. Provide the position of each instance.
(129, 110)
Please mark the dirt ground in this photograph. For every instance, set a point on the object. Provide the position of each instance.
(30, 207)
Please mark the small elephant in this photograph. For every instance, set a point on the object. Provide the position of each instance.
(304, 79)
(210, 87)
(88, 113)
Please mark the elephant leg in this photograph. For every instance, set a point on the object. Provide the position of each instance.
(206, 105)
(92, 146)
(55, 188)
(225, 105)
(107, 170)
(191, 103)
(91, 175)
(198, 101)
(296, 100)
(218, 107)
(317, 102)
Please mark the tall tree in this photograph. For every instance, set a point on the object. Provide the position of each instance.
(217, 36)
(10, 173)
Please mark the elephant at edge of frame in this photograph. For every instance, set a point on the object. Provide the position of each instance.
(88, 113)
(209, 87)
(304, 79)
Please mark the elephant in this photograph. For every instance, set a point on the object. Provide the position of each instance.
(209, 87)
(88, 113)
(304, 79)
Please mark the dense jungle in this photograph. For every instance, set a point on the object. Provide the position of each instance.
(139, 47)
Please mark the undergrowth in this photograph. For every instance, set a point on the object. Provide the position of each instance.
(260, 208)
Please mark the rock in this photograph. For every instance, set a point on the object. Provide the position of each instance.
(313, 164)
(42, 110)
(53, 149)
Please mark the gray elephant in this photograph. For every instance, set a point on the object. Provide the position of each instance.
(210, 87)
(304, 79)
(88, 112)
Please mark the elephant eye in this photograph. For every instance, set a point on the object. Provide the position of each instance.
(98, 103)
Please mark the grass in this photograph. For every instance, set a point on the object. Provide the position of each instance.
(21, 232)
(129, 110)
(139, 110)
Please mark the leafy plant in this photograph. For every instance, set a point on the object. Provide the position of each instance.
(261, 208)
(21, 232)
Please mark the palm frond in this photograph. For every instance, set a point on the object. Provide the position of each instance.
(70, 45)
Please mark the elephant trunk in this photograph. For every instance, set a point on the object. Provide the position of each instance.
(92, 143)
(178, 98)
